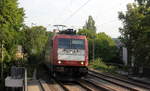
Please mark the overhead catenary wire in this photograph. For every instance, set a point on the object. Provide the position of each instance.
(76, 11)
(54, 20)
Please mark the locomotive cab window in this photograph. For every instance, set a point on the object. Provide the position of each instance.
(77, 44)
(71, 43)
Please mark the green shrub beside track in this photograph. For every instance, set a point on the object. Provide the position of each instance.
(98, 64)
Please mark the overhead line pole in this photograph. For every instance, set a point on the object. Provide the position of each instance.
(93, 51)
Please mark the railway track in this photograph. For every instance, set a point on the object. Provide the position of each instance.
(42, 85)
(73, 86)
(94, 86)
(52, 85)
(116, 83)
(93, 82)
(82, 85)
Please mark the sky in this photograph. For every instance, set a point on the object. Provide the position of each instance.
(74, 13)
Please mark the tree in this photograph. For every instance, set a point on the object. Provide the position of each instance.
(136, 32)
(89, 30)
(100, 45)
(90, 25)
(34, 41)
(11, 20)
(105, 47)
(86, 32)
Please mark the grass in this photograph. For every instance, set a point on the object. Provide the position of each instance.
(98, 64)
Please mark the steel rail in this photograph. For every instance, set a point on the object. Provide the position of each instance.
(42, 87)
(61, 85)
(146, 86)
(98, 86)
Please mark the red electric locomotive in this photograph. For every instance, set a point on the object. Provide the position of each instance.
(67, 54)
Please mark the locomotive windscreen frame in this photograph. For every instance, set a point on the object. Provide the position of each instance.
(71, 49)
(71, 43)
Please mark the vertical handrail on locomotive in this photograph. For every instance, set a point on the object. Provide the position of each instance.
(69, 54)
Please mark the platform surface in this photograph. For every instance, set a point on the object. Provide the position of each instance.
(34, 85)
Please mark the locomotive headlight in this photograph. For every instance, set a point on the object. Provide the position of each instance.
(59, 62)
(82, 63)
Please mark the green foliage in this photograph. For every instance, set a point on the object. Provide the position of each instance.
(105, 47)
(98, 64)
(90, 25)
(135, 33)
(34, 40)
(13, 32)
(11, 20)
(86, 32)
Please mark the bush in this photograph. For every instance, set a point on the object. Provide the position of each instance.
(99, 64)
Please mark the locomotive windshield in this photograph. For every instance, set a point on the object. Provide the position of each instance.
(71, 43)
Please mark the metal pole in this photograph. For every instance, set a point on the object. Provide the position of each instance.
(93, 50)
(26, 88)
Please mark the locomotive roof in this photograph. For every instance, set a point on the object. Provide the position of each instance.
(69, 36)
